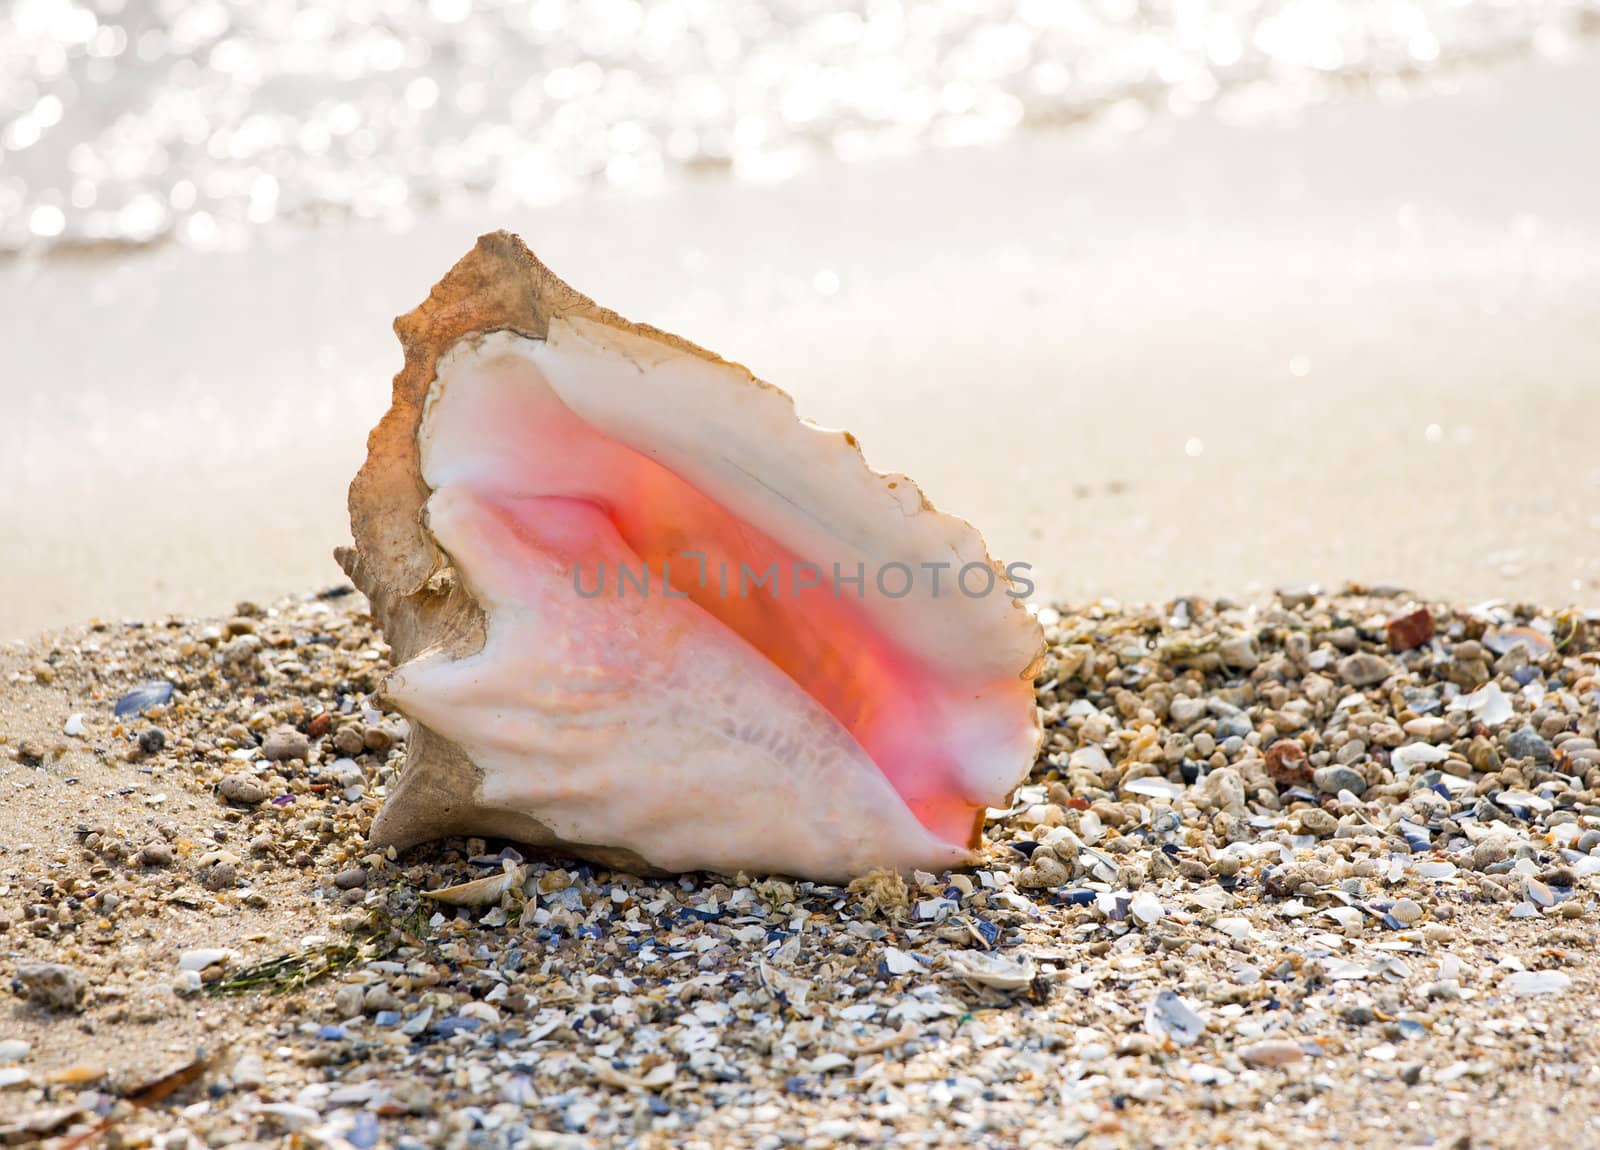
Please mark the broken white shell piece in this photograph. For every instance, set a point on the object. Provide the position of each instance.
(1002, 972)
(481, 891)
(200, 960)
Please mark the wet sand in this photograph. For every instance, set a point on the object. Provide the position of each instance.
(1358, 344)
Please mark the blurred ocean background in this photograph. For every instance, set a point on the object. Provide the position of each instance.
(126, 121)
(1201, 296)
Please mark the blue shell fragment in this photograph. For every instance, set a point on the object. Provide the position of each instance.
(1515, 806)
(452, 1023)
(143, 697)
(1417, 837)
(363, 1133)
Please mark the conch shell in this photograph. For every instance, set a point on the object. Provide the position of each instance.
(642, 613)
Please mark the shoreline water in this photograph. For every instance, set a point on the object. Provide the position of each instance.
(1142, 370)
(208, 122)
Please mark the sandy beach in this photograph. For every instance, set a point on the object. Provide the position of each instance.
(1142, 371)
(1368, 922)
(1295, 866)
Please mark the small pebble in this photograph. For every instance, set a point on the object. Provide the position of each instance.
(1185, 711)
(242, 789)
(1317, 821)
(1364, 669)
(156, 854)
(346, 773)
(1332, 780)
(1223, 790)
(1410, 629)
(285, 743)
(14, 1050)
(249, 1072)
(220, 876)
(1272, 1054)
(1528, 744)
(53, 985)
(347, 1001)
(1240, 653)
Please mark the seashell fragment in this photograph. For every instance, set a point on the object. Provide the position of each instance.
(480, 891)
(1001, 972)
(143, 697)
(642, 613)
(201, 960)
(1170, 1016)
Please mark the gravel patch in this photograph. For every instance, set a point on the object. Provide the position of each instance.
(1318, 869)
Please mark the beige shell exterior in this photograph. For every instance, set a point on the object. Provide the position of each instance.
(480, 891)
(417, 597)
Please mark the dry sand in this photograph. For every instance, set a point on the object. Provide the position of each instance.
(1040, 332)
(1314, 944)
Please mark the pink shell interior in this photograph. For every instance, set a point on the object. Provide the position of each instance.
(539, 508)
